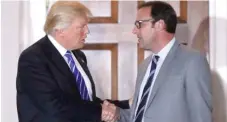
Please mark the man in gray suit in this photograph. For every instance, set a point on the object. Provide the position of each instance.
(174, 83)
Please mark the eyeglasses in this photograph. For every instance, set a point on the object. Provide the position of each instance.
(139, 22)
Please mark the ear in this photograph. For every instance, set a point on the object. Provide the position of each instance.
(161, 25)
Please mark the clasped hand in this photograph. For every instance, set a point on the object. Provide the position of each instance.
(110, 113)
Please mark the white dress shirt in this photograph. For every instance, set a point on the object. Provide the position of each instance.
(162, 55)
(63, 51)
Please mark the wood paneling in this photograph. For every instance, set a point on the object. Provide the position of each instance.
(113, 47)
(96, 19)
(112, 19)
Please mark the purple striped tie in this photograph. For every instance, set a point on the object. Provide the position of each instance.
(79, 79)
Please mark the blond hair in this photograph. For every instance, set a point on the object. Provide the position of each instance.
(62, 13)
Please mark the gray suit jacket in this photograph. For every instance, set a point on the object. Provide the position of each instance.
(182, 89)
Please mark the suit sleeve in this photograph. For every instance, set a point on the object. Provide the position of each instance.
(42, 89)
(124, 104)
(198, 90)
(125, 115)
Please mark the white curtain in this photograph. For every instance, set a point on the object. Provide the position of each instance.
(21, 25)
(25, 25)
(218, 57)
(32, 18)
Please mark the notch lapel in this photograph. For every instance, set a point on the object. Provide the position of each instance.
(56, 58)
(161, 77)
(141, 73)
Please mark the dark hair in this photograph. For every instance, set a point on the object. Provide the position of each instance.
(162, 11)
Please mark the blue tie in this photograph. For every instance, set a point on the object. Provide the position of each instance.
(79, 79)
(143, 101)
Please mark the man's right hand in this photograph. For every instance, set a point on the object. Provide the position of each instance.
(110, 112)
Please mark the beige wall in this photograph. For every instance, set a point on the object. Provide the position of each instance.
(194, 32)
(9, 57)
(218, 57)
(198, 12)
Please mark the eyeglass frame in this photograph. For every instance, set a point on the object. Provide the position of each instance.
(138, 26)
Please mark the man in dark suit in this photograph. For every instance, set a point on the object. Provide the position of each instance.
(53, 80)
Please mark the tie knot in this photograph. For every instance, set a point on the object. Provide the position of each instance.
(68, 55)
(155, 58)
(68, 52)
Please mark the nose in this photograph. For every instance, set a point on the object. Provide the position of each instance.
(134, 30)
(87, 31)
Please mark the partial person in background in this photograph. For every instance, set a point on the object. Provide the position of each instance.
(174, 83)
(53, 81)
(200, 41)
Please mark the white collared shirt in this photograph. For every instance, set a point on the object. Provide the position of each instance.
(162, 55)
(63, 51)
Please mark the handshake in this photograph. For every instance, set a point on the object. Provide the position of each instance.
(110, 112)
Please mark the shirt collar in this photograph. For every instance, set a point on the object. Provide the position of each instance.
(163, 53)
(58, 46)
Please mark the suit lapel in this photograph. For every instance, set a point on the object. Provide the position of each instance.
(161, 77)
(143, 69)
(56, 59)
(141, 73)
(83, 63)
